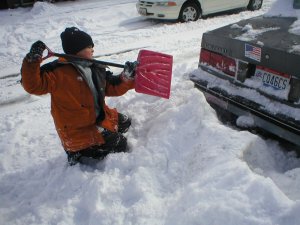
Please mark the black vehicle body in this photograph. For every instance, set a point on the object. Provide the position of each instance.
(15, 3)
(5, 4)
(254, 76)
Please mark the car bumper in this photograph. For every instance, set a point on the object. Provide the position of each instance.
(279, 125)
(158, 12)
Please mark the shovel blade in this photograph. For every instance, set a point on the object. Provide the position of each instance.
(154, 73)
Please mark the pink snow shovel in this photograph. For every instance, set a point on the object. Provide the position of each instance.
(153, 73)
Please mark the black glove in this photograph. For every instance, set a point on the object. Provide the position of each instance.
(129, 69)
(36, 52)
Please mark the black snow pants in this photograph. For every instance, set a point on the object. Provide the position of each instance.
(114, 142)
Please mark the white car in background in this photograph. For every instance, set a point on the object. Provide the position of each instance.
(190, 10)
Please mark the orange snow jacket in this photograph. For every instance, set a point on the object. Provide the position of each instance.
(72, 102)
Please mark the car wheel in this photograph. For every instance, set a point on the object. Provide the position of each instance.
(189, 12)
(254, 4)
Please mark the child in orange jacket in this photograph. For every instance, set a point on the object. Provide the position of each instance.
(86, 126)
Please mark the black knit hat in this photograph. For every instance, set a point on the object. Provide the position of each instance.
(74, 40)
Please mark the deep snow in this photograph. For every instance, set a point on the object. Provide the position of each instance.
(185, 166)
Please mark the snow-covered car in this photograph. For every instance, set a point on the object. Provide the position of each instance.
(252, 71)
(191, 10)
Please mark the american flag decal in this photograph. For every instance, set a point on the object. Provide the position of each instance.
(253, 52)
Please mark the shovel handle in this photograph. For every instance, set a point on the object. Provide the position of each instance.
(73, 57)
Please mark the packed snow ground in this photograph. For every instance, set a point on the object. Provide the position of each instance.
(185, 167)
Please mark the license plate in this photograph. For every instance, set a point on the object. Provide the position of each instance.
(271, 78)
(143, 11)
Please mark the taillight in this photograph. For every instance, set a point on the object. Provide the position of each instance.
(222, 63)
